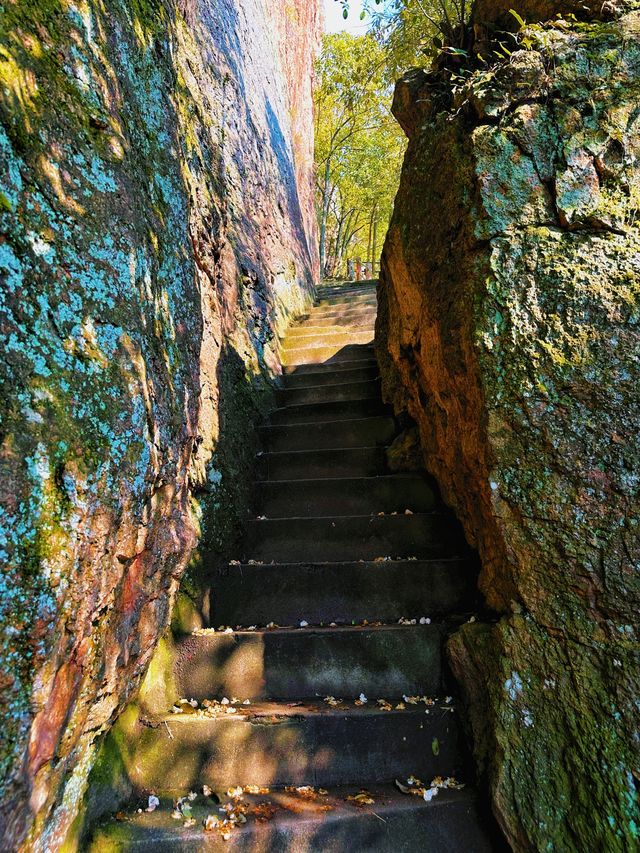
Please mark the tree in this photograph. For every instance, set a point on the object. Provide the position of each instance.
(358, 148)
(413, 32)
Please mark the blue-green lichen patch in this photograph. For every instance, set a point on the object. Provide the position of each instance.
(95, 287)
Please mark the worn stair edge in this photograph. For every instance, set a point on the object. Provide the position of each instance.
(287, 593)
(296, 743)
(450, 823)
(266, 664)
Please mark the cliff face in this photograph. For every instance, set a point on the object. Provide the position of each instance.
(510, 330)
(156, 217)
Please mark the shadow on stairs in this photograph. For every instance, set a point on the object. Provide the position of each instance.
(330, 682)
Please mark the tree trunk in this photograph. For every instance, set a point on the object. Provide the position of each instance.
(326, 197)
(375, 261)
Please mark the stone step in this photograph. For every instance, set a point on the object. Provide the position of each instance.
(363, 432)
(293, 663)
(321, 320)
(287, 593)
(346, 538)
(303, 335)
(341, 317)
(302, 464)
(345, 496)
(308, 743)
(358, 390)
(344, 374)
(347, 336)
(368, 286)
(304, 372)
(329, 410)
(346, 349)
(451, 823)
(340, 301)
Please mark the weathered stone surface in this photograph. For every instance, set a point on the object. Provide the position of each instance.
(496, 14)
(156, 210)
(510, 330)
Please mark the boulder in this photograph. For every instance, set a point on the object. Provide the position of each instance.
(156, 218)
(509, 329)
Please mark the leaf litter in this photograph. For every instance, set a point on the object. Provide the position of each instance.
(415, 787)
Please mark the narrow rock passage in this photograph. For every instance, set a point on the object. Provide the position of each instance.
(350, 579)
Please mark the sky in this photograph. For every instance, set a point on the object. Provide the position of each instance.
(334, 22)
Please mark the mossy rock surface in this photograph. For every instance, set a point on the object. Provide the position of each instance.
(511, 334)
(155, 217)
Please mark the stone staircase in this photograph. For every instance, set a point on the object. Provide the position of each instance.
(365, 573)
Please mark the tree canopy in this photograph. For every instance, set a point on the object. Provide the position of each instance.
(359, 149)
(359, 146)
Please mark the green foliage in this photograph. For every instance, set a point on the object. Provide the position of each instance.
(415, 31)
(359, 149)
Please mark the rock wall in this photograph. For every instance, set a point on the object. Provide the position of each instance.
(509, 330)
(156, 221)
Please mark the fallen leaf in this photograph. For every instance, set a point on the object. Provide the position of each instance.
(211, 822)
(235, 792)
(363, 798)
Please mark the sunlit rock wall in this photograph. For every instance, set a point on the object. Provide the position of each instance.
(509, 329)
(155, 211)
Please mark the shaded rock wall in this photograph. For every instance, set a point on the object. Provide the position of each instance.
(509, 329)
(155, 211)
